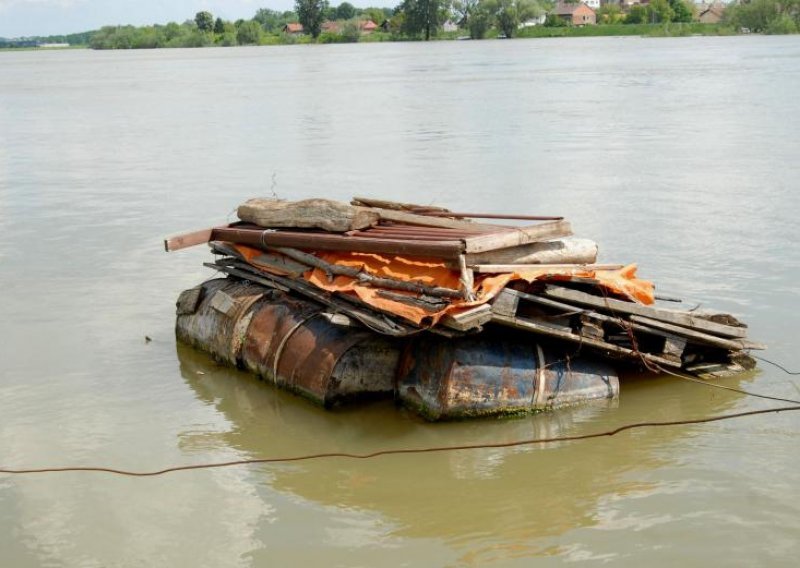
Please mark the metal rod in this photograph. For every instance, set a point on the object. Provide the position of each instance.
(325, 241)
(490, 216)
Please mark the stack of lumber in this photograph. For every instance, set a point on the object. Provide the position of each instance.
(283, 244)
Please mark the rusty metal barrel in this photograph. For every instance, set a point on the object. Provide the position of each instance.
(494, 374)
(297, 345)
(288, 341)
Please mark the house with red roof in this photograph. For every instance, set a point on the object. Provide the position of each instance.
(577, 14)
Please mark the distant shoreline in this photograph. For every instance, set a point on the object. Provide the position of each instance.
(536, 32)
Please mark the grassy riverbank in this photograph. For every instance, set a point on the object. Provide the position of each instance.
(671, 29)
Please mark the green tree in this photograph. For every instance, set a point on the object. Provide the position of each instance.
(219, 26)
(659, 11)
(377, 15)
(636, 15)
(511, 13)
(769, 16)
(609, 14)
(345, 11)
(681, 12)
(204, 21)
(423, 17)
(172, 30)
(311, 15)
(553, 21)
(463, 11)
(249, 33)
(479, 19)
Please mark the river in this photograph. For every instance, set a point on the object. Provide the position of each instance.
(679, 154)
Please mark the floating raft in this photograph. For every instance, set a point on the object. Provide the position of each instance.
(451, 317)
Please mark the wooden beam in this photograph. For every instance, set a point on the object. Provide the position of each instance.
(396, 205)
(682, 319)
(518, 236)
(186, 240)
(569, 250)
(697, 336)
(424, 221)
(503, 268)
(470, 319)
(608, 348)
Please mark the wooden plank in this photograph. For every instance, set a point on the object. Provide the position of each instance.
(568, 250)
(325, 241)
(470, 319)
(608, 348)
(424, 221)
(281, 265)
(187, 240)
(696, 336)
(518, 236)
(396, 205)
(506, 303)
(682, 319)
(504, 268)
(673, 348)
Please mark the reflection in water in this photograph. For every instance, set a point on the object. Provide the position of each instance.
(545, 490)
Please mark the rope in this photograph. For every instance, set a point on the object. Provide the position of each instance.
(431, 449)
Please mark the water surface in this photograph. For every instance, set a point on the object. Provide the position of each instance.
(680, 154)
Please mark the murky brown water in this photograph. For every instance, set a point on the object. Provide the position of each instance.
(680, 154)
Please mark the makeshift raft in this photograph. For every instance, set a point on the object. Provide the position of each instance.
(452, 317)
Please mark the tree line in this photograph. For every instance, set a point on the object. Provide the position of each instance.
(264, 28)
(765, 16)
(417, 19)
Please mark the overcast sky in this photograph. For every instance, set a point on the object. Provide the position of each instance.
(50, 17)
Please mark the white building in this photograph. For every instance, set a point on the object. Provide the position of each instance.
(593, 4)
(537, 21)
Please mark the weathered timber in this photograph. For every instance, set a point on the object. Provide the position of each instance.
(396, 205)
(505, 268)
(470, 319)
(425, 221)
(466, 279)
(673, 348)
(682, 319)
(366, 278)
(591, 322)
(510, 216)
(187, 240)
(323, 214)
(590, 328)
(558, 251)
(517, 236)
(428, 303)
(697, 336)
(608, 348)
(281, 264)
(371, 318)
(506, 302)
(323, 241)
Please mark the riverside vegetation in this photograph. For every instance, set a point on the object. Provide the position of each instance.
(434, 19)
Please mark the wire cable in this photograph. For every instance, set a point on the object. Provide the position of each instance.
(781, 367)
(430, 449)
